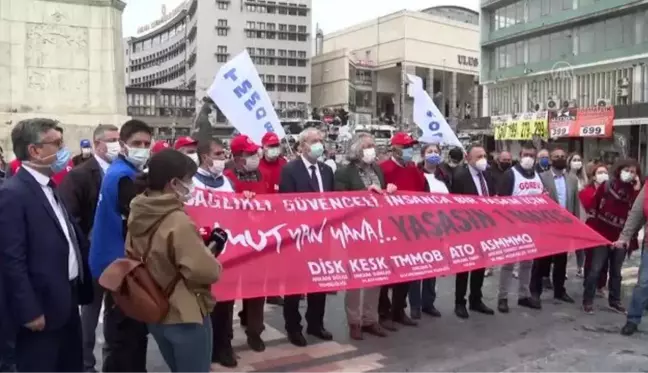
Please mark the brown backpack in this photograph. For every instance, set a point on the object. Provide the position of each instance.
(133, 288)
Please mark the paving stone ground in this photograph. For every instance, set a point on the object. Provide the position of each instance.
(560, 337)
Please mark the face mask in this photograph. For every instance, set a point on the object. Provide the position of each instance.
(625, 176)
(452, 164)
(112, 150)
(217, 167)
(576, 165)
(62, 160)
(504, 165)
(194, 157)
(544, 162)
(407, 154)
(601, 178)
(527, 163)
(481, 164)
(185, 196)
(433, 159)
(316, 150)
(252, 163)
(138, 156)
(273, 153)
(369, 155)
(559, 164)
(86, 152)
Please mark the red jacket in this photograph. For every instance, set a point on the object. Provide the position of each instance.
(258, 187)
(406, 177)
(272, 171)
(14, 166)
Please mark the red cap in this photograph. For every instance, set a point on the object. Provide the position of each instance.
(243, 144)
(270, 139)
(184, 141)
(159, 146)
(402, 139)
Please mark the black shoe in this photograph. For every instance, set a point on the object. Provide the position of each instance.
(227, 359)
(629, 329)
(461, 311)
(297, 339)
(432, 311)
(482, 308)
(256, 343)
(530, 302)
(277, 301)
(405, 320)
(565, 298)
(320, 333)
(502, 306)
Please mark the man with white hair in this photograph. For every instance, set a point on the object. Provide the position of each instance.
(306, 175)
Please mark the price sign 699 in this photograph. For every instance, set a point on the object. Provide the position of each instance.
(594, 131)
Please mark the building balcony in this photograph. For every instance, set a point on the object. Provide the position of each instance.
(493, 4)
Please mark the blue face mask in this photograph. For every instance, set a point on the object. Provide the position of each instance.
(407, 155)
(433, 159)
(544, 162)
(62, 159)
(316, 150)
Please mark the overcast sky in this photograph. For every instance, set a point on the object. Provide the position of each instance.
(331, 15)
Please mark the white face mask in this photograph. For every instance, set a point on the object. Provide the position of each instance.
(184, 197)
(217, 167)
(273, 153)
(481, 164)
(601, 178)
(112, 150)
(138, 156)
(194, 157)
(527, 163)
(86, 152)
(252, 163)
(369, 155)
(625, 176)
(576, 165)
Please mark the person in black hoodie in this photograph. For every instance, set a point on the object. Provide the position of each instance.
(501, 164)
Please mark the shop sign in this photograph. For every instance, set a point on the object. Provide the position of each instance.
(581, 122)
(468, 61)
(523, 126)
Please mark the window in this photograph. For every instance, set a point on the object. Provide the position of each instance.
(519, 53)
(251, 51)
(586, 41)
(282, 79)
(535, 10)
(271, 26)
(301, 54)
(613, 33)
(292, 28)
(282, 53)
(261, 25)
(270, 78)
(301, 79)
(249, 25)
(222, 5)
(302, 29)
(292, 54)
(283, 27)
(561, 45)
(260, 52)
(222, 23)
(222, 49)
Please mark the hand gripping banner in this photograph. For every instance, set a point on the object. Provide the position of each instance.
(302, 243)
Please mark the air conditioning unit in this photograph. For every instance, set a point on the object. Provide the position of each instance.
(572, 103)
(538, 106)
(603, 102)
(553, 103)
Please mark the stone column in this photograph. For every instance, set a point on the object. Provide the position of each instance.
(430, 79)
(406, 108)
(374, 93)
(453, 95)
(475, 101)
(485, 102)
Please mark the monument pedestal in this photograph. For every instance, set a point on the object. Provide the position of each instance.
(61, 59)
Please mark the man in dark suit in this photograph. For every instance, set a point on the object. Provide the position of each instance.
(472, 179)
(43, 255)
(306, 175)
(80, 192)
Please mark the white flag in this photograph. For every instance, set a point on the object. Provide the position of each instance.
(428, 117)
(239, 93)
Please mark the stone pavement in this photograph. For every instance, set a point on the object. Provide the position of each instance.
(558, 338)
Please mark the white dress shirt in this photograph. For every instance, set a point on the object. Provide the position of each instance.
(476, 176)
(103, 164)
(308, 165)
(73, 263)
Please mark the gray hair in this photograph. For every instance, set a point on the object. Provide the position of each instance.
(101, 129)
(29, 132)
(308, 132)
(355, 149)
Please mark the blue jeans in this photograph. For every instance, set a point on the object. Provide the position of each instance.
(639, 299)
(422, 294)
(185, 347)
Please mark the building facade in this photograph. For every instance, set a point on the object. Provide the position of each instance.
(185, 48)
(548, 54)
(362, 68)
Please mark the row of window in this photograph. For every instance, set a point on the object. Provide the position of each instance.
(159, 81)
(136, 65)
(272, 61)
(283, 79)
(530, 10)
(159, 39)
(263, 30)
(160, 74)
(163, 100)
(269, 52)
(271, 7)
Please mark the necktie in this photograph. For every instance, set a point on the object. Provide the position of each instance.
(70, 227)
(313, 177)
(482, 185)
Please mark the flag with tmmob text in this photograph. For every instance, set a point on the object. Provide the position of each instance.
(428, 117)
(239, 93)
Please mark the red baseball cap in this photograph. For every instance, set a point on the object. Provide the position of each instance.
(243, 144)
(159, 146)
(184, 141)
(402, 139)
(270, 139)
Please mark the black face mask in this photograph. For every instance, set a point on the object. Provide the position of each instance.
(504, 165)
(559, 164)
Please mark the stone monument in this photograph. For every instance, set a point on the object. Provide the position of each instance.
(61, 59)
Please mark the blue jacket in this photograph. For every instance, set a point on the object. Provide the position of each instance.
(107, 243)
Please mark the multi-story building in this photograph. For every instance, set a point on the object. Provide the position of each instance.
(362, 68)
(185, 48)
(547, 54)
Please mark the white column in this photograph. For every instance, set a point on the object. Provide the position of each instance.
(485, 104)
(525, 98)
(475, 100)
(637, 84)
(453, 95)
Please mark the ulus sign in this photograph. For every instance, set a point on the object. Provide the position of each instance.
(468, 61)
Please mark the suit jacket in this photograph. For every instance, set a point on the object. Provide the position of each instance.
(347, 178)
(34, 256)
(80, 193)
(296, 178)
(462, 182)
(571, 182)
